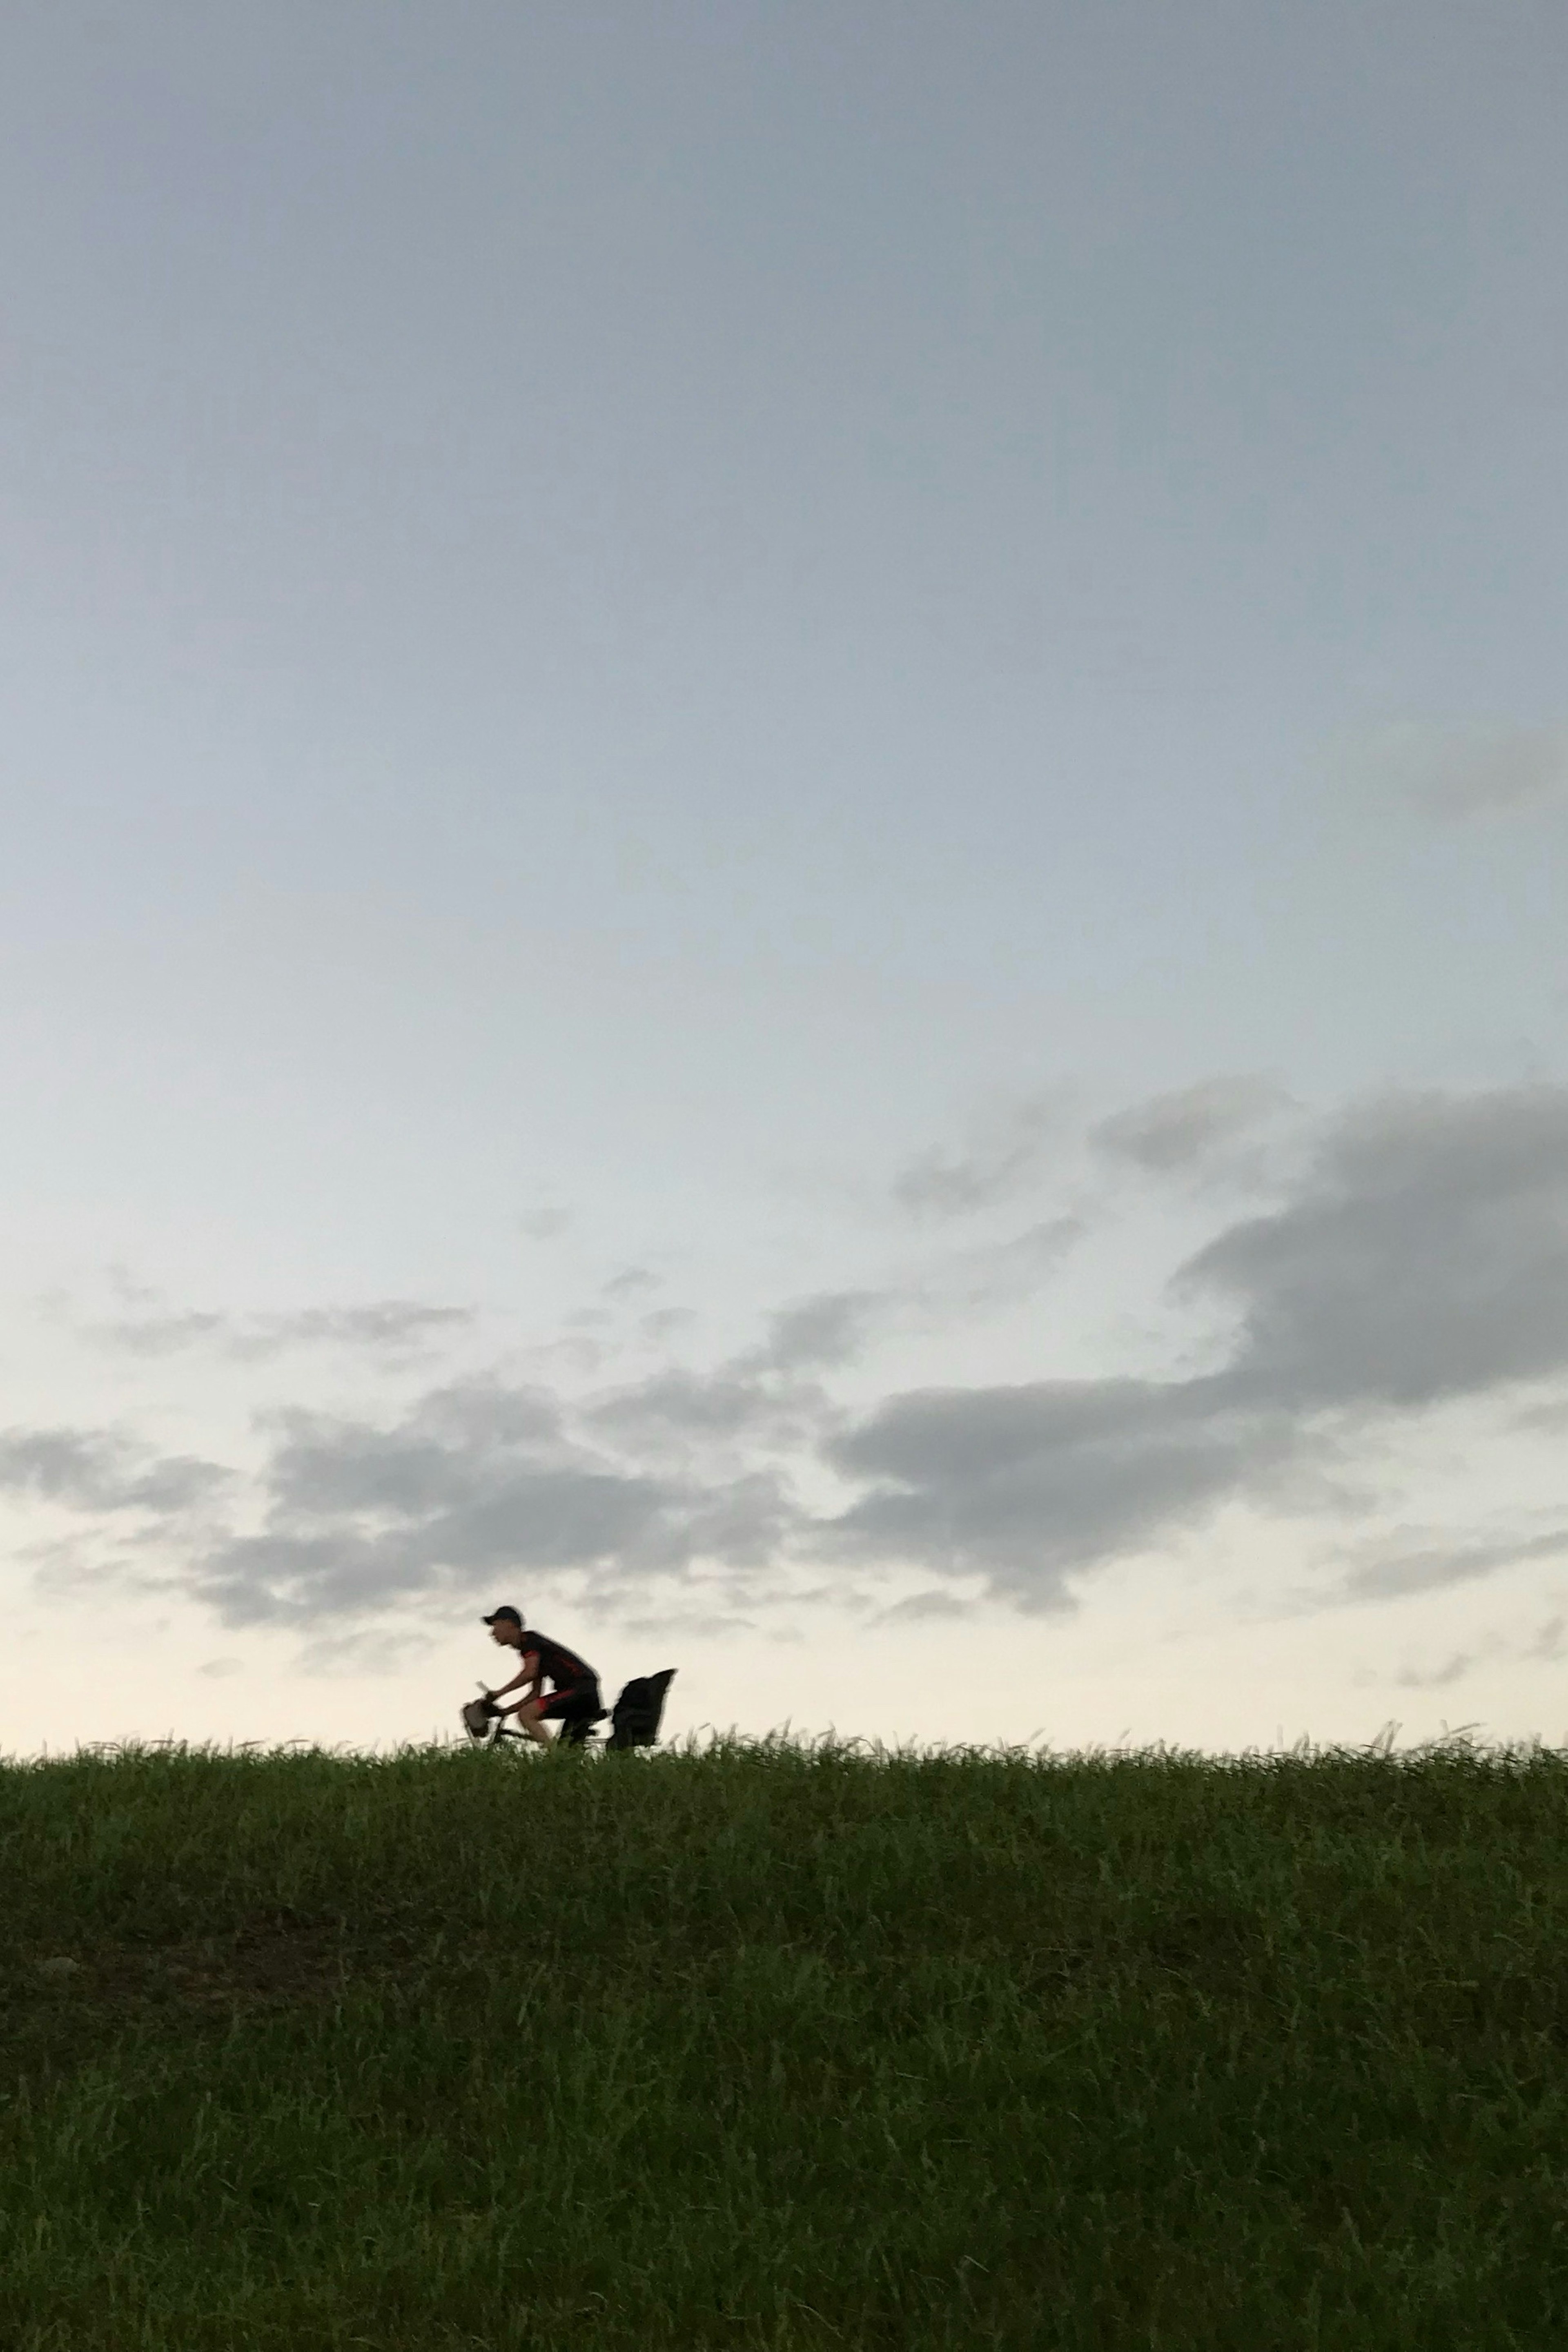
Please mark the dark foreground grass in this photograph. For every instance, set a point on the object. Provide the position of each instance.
(772, 2049)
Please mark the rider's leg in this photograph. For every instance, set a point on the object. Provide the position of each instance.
(529, 1722)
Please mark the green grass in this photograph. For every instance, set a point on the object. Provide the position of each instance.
(765, 2048)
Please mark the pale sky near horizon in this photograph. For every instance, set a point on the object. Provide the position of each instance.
(785, 823)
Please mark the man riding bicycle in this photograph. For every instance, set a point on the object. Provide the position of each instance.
(573, 1700)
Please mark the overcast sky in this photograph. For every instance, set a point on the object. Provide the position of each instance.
(787, 811)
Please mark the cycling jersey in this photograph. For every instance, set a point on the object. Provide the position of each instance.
(552, 1662)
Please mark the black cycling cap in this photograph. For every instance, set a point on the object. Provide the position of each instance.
(513, 1616)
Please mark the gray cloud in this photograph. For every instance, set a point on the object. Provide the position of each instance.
(707, 1408)
(633, 1279)
(84, 1468)
(922, 1608)
(395, 1325)
(833, 1328)
(473, 1483)
(1427, 1568)
(397, 1328)
(1423, 1257)
(663, 1324)
(1551, 1418)
(99, 1470)
(1176, 1131)
(545, 1224)
(1420, 1259)
(1438, 1678)
(1025, 1485)
(1005, 1155)
(829, 1328)
(998, 1274)
(163, 1334)
(1472, 772)
(769, 1397)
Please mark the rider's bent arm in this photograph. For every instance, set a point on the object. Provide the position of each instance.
(533, 1680)
(535, 1672)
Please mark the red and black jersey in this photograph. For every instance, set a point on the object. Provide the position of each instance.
(557, 1666)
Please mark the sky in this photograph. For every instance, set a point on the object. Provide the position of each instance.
(785, 813)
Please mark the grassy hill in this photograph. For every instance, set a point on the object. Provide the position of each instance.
(771, 2049)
